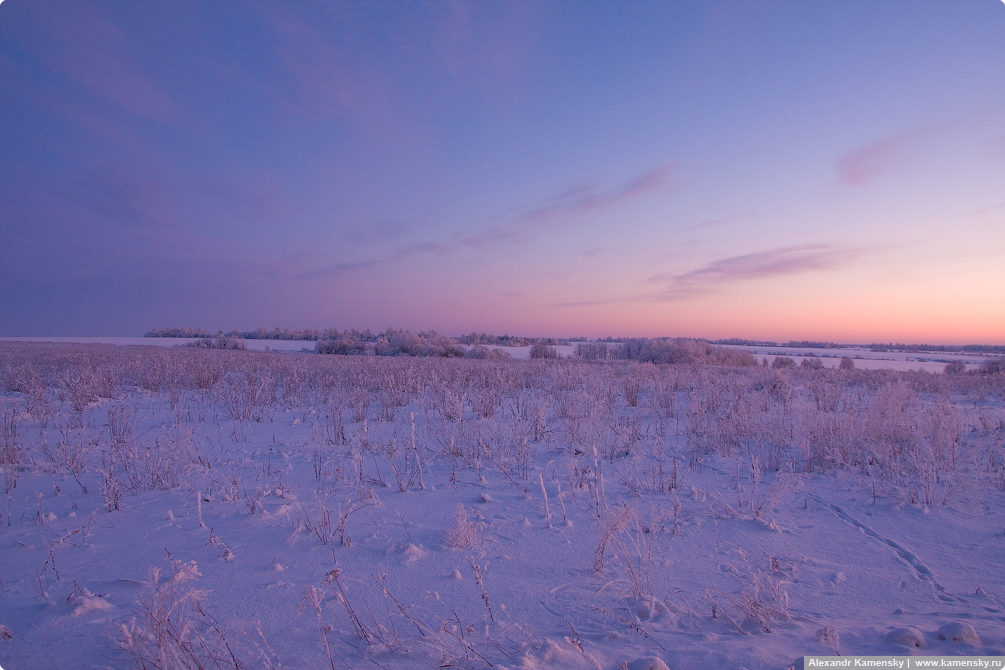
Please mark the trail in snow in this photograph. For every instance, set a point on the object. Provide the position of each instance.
(907, 556)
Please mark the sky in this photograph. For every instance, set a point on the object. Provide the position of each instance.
(757, 169)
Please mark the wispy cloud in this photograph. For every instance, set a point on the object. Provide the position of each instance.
(991, 208)
(485, 46)
(862, 166)
(324, 70)
(247, 195)
(520, 224)
(715, 223)
(322, 78)
(97, 55)
(381, 231)
(897, 151)
(751, 267)
(718, 275)
(125, 196)
(597, 303)
(348, 267)
(566, 208)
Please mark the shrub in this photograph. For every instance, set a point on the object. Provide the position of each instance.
(392, 343)
(342, 346)
(481, 352)
(219, 342)
(596, 351)
(542, 350)
(956, 368)
(992, 366)
(811, 362)
(465, 532)
(847, 363)
(677, 351)
(171, 628)
(783, 362)
(632, 385)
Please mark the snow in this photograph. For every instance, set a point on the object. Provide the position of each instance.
(736, 526)
(867, 359)
(959, 631)
(254, 345)
(864, 358)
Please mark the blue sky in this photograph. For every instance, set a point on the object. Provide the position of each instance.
(767, 170)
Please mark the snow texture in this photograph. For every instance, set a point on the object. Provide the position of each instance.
(286, 510)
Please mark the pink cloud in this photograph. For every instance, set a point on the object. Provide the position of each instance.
(96, 126)
(127, 196)
(749, 267)
(90, 51)
(715, 223)
(566, 207)
(249, 194)
(324, 81)
(325, 71)
(350, 267)
(862, 166)
(990, 208)
(487, 46)
(717, 275)
(898, 151)
(522, 223)
(922, 146)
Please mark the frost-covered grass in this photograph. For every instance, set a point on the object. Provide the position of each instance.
(187, 508)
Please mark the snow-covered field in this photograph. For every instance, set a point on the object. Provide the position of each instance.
(863, 357)
(868, 359)
(183, 508)
(253, 345)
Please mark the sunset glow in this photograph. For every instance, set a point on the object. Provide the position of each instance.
(763, 170)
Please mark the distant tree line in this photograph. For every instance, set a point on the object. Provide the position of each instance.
(983, 348)
(353, 341)
(891, 346)
(939, 348)
(810, 344)
(277, 333)
(177, 332)
(315, 335)
(792, 344)
(737, 342)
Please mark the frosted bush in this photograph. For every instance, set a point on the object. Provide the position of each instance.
(811, 362)
(782, 362)
(543, 350)
(171, 630)
(464, 534)
(12, 448)
(248, 395)
(955, 368)
(478, 352)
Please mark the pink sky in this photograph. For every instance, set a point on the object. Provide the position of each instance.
(762, 170)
